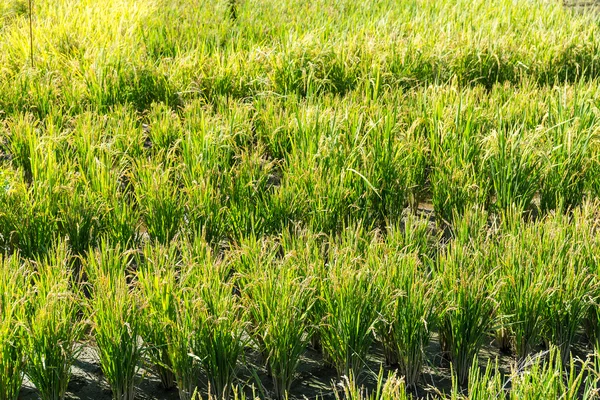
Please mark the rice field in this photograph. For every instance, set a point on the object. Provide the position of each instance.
(260, 199)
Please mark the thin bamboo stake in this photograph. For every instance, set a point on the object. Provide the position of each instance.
(31, 30)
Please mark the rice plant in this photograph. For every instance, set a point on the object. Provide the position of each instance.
(413, 235)
(512, 166)
(217, 338)
(558, 255)
(157, 275)
(539, 376)
(159, 200)
(13, 303)
(54, 324)
(408, 319)
(351, 307)
(393, 167)
(222, 341)
(524, 278)
(390, 388)
(279, 303)
(592, 322)
(306, 252)
(183, 344)
(116, 318)
(30, 217)
(469, 306)
(567, 306)
(183, 330)
(544, 377)
(486, 385)
(567, 162)
(456, 179)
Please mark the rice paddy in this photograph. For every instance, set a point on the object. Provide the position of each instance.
(288, 199)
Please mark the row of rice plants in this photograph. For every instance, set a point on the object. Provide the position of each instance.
(268, 49)
(283, 302)
(235, 170)
(543, 376)
(192, 313)
(466, 316)
(539, 377)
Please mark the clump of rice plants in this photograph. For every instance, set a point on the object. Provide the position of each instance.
(13, 302)
(592, 321)
(30, 219)
(210, 325)
(546, 289)
(333, 182)
(183, 331)
(53, 324)
(157, 275)
(123, 221)
(159, 199)
(538, 376)
(391, 388)
(393, 166)
(472, 229)
(566, 305)
(512, 165)
(408, 318)
(207, 155)
(567, 161)
(456, 180)
(351, 305)
(279, 302)
(222, 333)
(80, 222)
(249, 192)
(116, 318)
(486, 385)
(559, 260)
(522, 297)
(469, 306)
(544, 376)
(523, 275)
(108, 200)
(306, 251)
(183, 344)
(413, 234)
